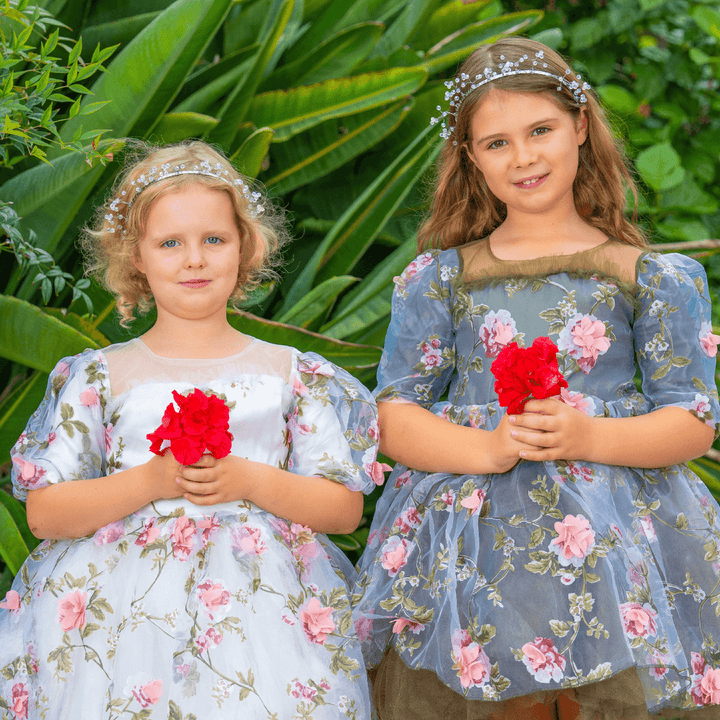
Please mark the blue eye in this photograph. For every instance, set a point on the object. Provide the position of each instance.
(170, 243)
(213, 240)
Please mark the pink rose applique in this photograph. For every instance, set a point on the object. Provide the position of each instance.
(27, 474)
(402, 479)
(401, 623)
(708, 340)
(431, 353)
(375, 470)
(407, 520)
(584, 339)
(89, 397)
(577, 400)
(543, 661)
(317, 621)
(706, 689)
(248, 540)
(71, 610)
(497, 331)
(209, 526)
(574, 541)
(394, 554)
(471, 663)
(363, 627)
(109, 533)
(638, 620)
(214, 599)
(148, 694)
(19, 702)
(475, 501)
(411, 271)
(183, 537)
(11, 601)
(149, 534)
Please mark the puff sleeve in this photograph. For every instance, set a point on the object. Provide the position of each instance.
(332, 425)
(419, 355)
(65, 437)
(675, 346)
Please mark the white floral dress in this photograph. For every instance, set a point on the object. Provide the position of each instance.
(553, 574)
(180, 611)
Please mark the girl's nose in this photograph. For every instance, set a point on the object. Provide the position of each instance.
(195, 255)
(524, 154)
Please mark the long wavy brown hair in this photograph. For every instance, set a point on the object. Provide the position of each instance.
(109, 254)
(463, 208)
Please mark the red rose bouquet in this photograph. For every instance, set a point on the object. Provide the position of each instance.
(202, 422)
(522, 373)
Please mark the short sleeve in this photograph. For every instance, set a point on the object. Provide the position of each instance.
(332, 425)
(65, 437)
(419, 355)
(674, 342)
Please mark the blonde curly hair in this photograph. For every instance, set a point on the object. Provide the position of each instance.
(109, 253)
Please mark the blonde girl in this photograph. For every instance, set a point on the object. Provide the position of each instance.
(167, 587)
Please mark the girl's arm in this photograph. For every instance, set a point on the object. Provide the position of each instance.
(663, 437)
(79, 508)
(415, 437)
(321, 504)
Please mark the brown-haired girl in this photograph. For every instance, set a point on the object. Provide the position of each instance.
(559, 561)
(183, 480)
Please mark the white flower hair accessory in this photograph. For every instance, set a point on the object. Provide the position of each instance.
(462, 85)
(114, 217)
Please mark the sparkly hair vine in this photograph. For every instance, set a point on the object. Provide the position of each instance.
(459, 88)
(114, 217)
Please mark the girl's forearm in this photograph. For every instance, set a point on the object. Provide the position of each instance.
(321, 504)
(423, 441)
(78, 508)
(663, 437)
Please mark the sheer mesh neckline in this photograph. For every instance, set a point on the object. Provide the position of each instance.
(131, 364)
(611, 260)
(198, 361)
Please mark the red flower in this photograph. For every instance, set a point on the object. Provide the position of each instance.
(200, 423)
(522, 373)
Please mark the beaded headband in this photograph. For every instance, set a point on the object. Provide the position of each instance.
(459, 88)
(218, 172)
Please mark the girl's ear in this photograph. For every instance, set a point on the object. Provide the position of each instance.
(471, 155)
(137, 260)
(582, 126)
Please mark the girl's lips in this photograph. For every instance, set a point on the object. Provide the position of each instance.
(195, 283)
(531, 182)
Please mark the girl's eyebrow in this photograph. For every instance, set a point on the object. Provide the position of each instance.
(536, 123)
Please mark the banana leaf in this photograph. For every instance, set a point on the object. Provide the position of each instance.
(249, 158)
(177, 126)
(316, 302)
(17, 407)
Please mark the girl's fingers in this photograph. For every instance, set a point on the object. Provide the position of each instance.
(196, 488)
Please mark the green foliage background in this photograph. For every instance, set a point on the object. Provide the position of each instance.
(327, 103)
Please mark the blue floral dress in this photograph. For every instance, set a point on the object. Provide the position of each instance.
(181, 611)
(553, 574)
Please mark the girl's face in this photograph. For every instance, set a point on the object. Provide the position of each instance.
(190, 252)
(527, 149)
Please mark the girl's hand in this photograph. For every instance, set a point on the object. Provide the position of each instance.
(210, 481)
(508, 444)
(556, 430)
(161, 471)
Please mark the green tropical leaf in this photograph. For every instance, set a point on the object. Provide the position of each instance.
(249, 158)
(140, 83)
(350, 237)
(121, 30)
(17, 407)
(354, 358)
(32, 188)
(331, 144)
(22, 325)
(86, 327)
(177, 126)
(412, 16)
(235, 107)
(316, 302)
(371, 300)
(454, 49)
(333, 58)
(446, 20)
(13, 548)
(291, 111)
